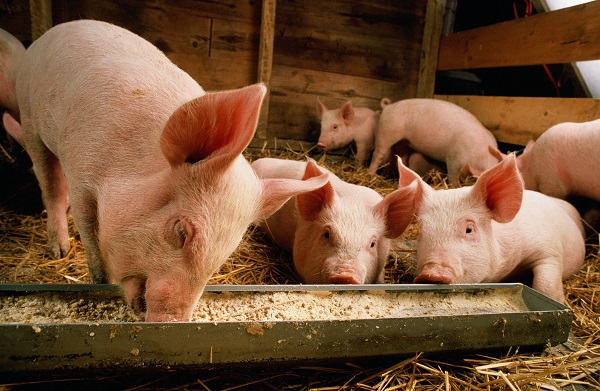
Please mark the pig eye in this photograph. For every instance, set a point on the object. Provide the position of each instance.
(335, 127)
(182, 234)
(326, 234)
(373, 243)
(470, 228)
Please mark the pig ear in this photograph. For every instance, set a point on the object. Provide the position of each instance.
(501, 188)
(347, 112)
(495, 152)
(276, 192)
(311, 203)
(406, 175)
(398, 209)
(215, 127)
(321, 109)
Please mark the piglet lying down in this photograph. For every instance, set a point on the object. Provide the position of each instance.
(339, 233)
(495, 230)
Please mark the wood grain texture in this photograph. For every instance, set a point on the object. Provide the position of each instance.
(562, 36)
(517, 120)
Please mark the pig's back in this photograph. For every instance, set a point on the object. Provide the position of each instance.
(555, 222)
(569, 151)
(93, 81)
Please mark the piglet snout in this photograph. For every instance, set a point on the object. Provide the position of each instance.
(434, 274)
(343, 278)
(321, 146)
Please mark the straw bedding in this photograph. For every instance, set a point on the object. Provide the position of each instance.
(573, 366)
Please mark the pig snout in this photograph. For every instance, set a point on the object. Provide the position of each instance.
(321, 146)
(344, 274)
(434, 274)
(343, 278)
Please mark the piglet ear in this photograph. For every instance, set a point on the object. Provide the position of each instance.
(276, 192)
(501, 188)
(347, 112)
(217, 126)
(321, 109)
(398, 209)
(407, 177)
(311, 203)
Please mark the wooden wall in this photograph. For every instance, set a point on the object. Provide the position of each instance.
(336, 49)
(556, 37)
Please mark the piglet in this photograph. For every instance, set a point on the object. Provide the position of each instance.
(340, 233)
(495, 231)
(341, 126)
(151, 164)
(564, 161)
(438, 129)
(11, 51)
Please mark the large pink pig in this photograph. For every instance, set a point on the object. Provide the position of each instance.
(438, 129)
(341, 126)
(495, 231)
(340, 233)
(151, 164)
(11, 51)
(564, 161)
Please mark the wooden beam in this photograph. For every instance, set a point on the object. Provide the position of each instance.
(434, 20)
(41, 17)
(265, 61)
(561, 36)
(517, 120)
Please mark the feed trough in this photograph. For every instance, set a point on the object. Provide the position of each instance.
(236, 325)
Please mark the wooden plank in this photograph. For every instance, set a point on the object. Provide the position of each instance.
(434, 21)
(344, 37)
(41, 17)
(219, 53)
(562, 36)
(516, 120)
(265, 61)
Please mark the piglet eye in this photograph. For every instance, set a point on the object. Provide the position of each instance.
(181, 232)
(373, 244)
(326, 234)
(470, 229)
(335, 127)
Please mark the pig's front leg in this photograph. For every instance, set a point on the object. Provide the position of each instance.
(85, 212)
(362, 153)
(51, 179)
(547, 279)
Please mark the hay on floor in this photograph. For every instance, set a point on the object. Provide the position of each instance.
(24, 259)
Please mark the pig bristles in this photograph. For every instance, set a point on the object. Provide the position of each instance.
(24, 259)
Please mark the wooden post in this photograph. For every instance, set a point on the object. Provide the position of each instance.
(41, 17)
(432, 32)
(265, 61)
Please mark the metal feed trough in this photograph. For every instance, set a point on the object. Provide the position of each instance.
(28, 346)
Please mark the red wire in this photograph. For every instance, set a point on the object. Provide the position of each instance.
(529, 12)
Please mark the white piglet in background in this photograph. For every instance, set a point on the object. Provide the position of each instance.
(11, 51)
(437, 129)
(340, 233)
(341, 126)
(150, 164)
(564, 161)
(495, 231)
